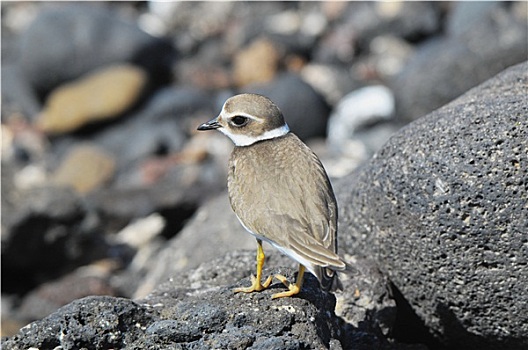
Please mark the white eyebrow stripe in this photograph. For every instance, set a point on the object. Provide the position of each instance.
(249, 116)
(244, 140)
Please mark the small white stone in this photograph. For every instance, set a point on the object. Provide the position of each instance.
(357, 109)
(141, 231)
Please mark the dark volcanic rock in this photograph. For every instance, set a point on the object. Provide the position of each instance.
(304, 109)
(175, 196)
(50, 296)
(239, 320)
(443, 209)
(198, 310)
(45, 233)
(89, 323)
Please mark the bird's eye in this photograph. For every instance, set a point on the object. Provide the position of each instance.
(239, 120)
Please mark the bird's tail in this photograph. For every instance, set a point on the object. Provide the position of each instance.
(330, 280)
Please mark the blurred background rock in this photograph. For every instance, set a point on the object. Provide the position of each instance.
(100, 102)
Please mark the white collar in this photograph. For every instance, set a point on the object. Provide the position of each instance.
(244, 140)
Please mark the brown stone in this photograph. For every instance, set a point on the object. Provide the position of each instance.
(102, 94)
(85, 168)
(256, 64)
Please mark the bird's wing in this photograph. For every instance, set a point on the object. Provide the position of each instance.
(288, 200)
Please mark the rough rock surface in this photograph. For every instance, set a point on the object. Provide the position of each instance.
(366, 296)
(443, 209)
(91, 323)
(50, 296)
(198, 310)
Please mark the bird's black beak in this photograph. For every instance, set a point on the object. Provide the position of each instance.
(210, 125)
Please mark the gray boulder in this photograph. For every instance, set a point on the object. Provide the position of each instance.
(494, 37)
(212, 232)
(443, 209)
(304, 109)
(46, 231)
(17, 95)
(64, 42)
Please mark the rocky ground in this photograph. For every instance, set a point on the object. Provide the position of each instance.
(116, 228)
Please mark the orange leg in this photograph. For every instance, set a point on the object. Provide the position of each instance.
(256, 286)
(293, 288)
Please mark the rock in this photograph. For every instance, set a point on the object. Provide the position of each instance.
(10, 325)
(442, 208)
(304, 109)
(365, 296)
(205, 69)
(85, 168)
(175, 196)
(45, 233)
(156, 129)
(198, 309)
(463, 16)
(101, 95)
(245, 320)
(22, 144)
(95, 322)
(257, 63)
(66, 42)
(359, 110)
(142, 231)
(366, 301)
(30, 176)
(361, 22)
(140, 243)
(50, 296)
(212, 232)
(17, 96)
(494, 41)
(359, 125)
(402, 19)
(388, 57)
(330, 81)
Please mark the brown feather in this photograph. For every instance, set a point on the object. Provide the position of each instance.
(279, 189)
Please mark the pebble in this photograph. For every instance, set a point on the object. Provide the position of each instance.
(101, 95)
(85, 168)
(330, 81)
(359, 109)
(141, 231)
(257, 63)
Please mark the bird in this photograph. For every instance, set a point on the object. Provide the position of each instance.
(280, 192)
